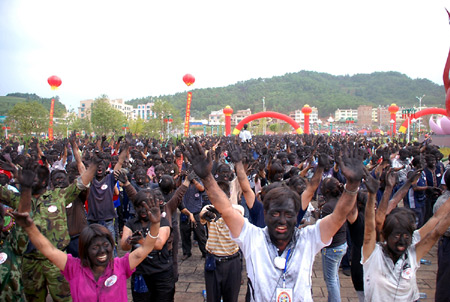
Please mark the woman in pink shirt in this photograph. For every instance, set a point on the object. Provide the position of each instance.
(96, 275)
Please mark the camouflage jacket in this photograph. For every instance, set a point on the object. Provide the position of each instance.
(12, 246)
(49, 214)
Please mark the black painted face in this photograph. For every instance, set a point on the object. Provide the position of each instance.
(141, 210)
(100, 251)
(101, 170)
(398, 241)
(140, 176)
(4, 179)
(159, 197)
(60, 180)
(280, 219)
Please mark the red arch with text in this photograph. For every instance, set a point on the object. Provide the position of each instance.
(264, 114)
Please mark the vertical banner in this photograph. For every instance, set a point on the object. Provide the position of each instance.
(50, 127)
(188, 114)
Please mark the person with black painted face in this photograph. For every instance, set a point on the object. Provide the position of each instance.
(157, 268)
(96, 275)
(390, 265)
(279, 257)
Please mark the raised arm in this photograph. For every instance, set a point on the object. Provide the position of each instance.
(154, 215)
(236, 158)
(398, 196)
(390, 180)
(370, 233)
(73, 143)
(313, 184)
(53, 254)
(442, 217)
(202, 165)
(353, 169)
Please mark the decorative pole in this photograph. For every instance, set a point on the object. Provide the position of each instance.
(306, 110)
(188, 79)
(228, 111)
(54, 83)
(393, 110)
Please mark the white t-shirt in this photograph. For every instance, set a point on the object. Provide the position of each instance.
(265, 278)
(385, 281)
(245, 135)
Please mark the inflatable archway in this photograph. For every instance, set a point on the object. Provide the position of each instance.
(272, 114)
(421, 113)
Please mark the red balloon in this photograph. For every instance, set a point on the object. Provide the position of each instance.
(188, 79)
(54, 81)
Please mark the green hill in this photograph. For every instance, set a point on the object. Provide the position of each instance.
(327, 92)
(7, 102)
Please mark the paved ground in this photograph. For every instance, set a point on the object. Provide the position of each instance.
(191, 281)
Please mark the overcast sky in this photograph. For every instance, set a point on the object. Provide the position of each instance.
(133, 49)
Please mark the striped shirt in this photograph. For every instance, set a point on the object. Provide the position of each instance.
(219, 241)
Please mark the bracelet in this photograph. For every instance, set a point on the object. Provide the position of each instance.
(350, 192)
(153, 237)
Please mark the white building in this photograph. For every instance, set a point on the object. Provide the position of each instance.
(85, 108)
(143, 111)
(216, 118)
(343, 114)
(299, 117)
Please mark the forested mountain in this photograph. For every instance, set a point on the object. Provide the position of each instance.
(8, 101)
(327, 92)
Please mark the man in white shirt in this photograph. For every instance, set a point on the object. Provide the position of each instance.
(245, 135)
(280, 257)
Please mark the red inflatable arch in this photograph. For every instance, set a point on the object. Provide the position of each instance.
(272, 114)
(421, 113)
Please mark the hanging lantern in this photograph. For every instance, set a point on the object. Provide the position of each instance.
(188, 79)
(54, 82)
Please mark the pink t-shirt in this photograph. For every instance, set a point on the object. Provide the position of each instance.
(111, 286)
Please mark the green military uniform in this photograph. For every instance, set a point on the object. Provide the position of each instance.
(49, 214)
(12, 246)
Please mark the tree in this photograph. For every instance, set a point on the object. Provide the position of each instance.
(28, 117)
(161, 110)
(104, 118)
(136, 126)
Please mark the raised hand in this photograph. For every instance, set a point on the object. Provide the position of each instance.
(153, 210)
(414, 176)
(372, 184)
(324, 160)
(135, 238)
(351, 164)
(201, 163)
(235, 153)
(121, 176)
(391, 178)
(211, 214)
(22, 219)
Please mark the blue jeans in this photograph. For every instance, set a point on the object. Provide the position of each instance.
(331, 259)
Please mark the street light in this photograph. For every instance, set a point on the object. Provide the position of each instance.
(331, 120)
(420, 106)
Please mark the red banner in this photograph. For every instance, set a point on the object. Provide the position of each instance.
(50, 127)
(188, 114)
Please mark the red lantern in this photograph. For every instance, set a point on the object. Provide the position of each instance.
(54, 82)
(188, 79)
(306, 110)
(228, 111)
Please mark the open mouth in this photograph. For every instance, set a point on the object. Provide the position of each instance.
(102, 258)
(281, 229)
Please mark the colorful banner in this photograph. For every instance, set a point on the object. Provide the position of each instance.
(188, 114)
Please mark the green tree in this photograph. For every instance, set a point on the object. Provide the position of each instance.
(136, 126)
(104, 118)
(161, 110)
(28, 117)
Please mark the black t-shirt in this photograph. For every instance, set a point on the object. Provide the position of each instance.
(357, 235)
(157, 261)
(341, 236)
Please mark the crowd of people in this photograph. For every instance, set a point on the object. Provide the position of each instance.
(68, 205)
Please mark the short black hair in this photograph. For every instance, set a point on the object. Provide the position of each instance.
(402, 217)
(280, 194)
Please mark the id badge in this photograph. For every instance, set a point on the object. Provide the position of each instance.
(284, 295)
